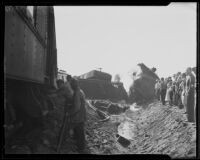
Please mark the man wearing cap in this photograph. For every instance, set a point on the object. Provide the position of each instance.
(163, 86)
(65, 92)
(190, 82)
(157, 89)
(78, 115)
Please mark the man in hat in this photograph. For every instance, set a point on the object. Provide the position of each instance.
(190, 91)
(163, 87)
(157, 89)
(65, 92)
(78, 116)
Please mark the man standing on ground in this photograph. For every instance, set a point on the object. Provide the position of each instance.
(183, 90)
(64, 91)
(157, 89)
(163, 90)
(190, 82)
(66, 94)
(78, 116)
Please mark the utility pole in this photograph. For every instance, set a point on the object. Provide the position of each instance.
(99, 69)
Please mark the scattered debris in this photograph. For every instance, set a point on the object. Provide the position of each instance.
(151, 129)
(101, 114)
(123, 141)
(156, 129)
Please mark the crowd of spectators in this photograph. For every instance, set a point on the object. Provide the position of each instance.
(179, 90)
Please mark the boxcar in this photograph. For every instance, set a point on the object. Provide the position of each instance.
(30, 62)
(30, 48)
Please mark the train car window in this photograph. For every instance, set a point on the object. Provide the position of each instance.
(30, 13)
(31, 10)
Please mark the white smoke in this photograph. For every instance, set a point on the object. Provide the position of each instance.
(127, 78)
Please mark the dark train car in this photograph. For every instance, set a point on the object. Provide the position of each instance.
(30, 62)
(30, 47)
(101, 89)
(97, 75)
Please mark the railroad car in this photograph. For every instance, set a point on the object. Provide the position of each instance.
(30, 65)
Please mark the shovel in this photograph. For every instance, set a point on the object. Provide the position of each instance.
(64, 127)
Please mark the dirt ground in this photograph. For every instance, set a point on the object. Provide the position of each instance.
(151, 129)
(148, 129)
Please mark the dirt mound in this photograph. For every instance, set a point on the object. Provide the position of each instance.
(153, 129)
(162, 130)
(142, 88)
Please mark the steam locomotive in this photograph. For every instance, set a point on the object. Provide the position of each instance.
(30, 66)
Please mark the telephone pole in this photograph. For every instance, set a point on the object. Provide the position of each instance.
(99, 69)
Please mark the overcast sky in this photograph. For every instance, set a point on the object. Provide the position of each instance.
(117, 38)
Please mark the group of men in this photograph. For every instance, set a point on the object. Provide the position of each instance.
(179, 90)
(74, 109)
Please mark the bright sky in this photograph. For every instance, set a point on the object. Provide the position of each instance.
(117, 38)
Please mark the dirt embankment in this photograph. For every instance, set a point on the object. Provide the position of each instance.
(153, 129)
(149, 129)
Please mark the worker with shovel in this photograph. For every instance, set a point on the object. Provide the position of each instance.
(75, 116)
(78, 116)
(66, 93)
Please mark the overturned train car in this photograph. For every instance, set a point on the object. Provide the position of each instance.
(30, 62)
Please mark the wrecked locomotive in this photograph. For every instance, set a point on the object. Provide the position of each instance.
(30, 65)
